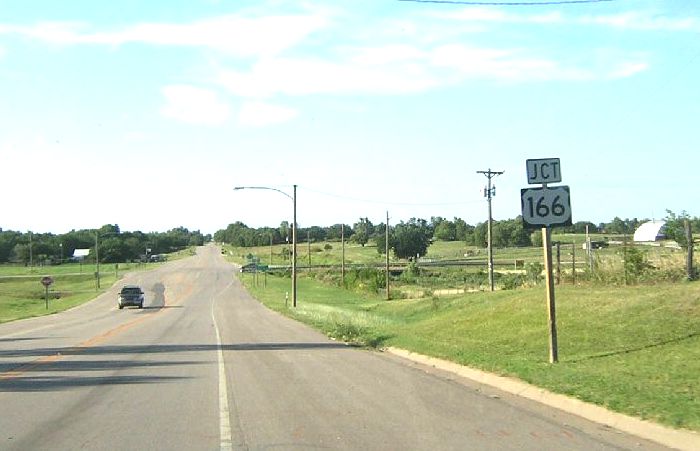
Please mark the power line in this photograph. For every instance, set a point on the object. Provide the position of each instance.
(385, 202)
(537, 3)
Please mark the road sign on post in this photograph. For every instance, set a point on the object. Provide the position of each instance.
(546, 207)
(46, 281)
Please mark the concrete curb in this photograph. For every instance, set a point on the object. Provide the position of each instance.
(674, 438)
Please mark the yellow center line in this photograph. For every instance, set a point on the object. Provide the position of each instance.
(94, 341)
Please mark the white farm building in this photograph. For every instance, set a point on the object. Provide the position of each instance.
(650, 231)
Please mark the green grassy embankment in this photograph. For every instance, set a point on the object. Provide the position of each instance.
(635, 350)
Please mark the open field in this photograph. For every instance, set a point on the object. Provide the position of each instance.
(635, 350)
(23, 296)
(514, 267)
(324, 253)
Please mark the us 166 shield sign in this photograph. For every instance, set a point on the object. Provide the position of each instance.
(546, 207)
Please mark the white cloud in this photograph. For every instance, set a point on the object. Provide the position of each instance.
(259, 114)
(628, 69)
(644, 21)
(503, 65)
(487, 15)
(290, 76)
(232, 33)
(634, 20)
(392, 70)
(194, 105)
(388, 54)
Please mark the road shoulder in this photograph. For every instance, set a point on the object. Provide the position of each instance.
(674, 438)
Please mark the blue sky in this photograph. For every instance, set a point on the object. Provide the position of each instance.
(147, 113)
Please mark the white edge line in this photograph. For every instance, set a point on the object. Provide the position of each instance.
(224, 411)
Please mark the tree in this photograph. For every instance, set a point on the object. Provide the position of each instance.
(361, 231)
(410, 239)
(480, 235)
(463, 231)
(620, 226)
(335, 231)
(580, 227)
(510, 233)
(445, 231)
(8, 240)
(675, 227)
(379, 236)
(113, 250)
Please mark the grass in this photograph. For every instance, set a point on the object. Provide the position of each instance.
(635, 350)
(23, 296)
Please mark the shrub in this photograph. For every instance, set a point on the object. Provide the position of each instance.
(534, 271)
(511, 281)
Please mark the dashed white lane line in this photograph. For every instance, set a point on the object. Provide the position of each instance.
(226, 438)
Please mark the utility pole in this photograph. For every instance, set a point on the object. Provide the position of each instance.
(308, 246)
(342, 265)
(689, 259)
(294, 245)
(489, 193)
(97, 260)
(387, 255)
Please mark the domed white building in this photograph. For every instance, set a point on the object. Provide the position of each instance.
(650, 231)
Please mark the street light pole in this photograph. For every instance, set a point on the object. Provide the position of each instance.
(294, 232)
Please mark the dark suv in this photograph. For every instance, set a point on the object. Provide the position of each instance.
(130, 295)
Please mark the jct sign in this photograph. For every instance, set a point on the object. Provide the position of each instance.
(544, 208)
(543, 170)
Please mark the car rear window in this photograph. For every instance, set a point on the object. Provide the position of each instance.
(131, 290)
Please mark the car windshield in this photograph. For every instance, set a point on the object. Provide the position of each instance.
(131, 290)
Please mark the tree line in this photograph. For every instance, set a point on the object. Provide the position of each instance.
(411, 238)
(114, 245)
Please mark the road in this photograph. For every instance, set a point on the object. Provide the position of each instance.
(204, 366)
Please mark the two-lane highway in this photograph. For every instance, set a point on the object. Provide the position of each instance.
(205, 366)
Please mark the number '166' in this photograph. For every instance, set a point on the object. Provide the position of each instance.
(543, 209)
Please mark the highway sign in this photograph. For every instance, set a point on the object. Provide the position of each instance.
(546, 206)
(543, 170)
(46, 281)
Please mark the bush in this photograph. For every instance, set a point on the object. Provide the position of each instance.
(365, 279)
(534, 271)
(511, 281)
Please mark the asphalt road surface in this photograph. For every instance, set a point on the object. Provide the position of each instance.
(204, 366)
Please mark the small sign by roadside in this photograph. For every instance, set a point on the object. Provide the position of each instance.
(46, 281)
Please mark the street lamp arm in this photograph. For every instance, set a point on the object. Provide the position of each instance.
(237, 188)
(294, 233)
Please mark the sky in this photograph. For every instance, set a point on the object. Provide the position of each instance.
(147, 114)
